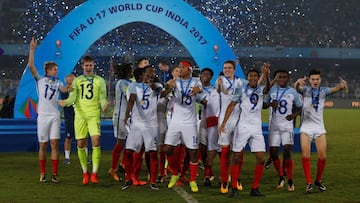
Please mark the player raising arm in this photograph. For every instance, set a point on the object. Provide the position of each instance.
(183, 126)
(48, 120)
(249, 128)
(282, 99)
(312, 126)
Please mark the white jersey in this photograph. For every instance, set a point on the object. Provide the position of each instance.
(285, 97)
(144, 110)
(48, 89)
(312, 114)
(251, 102)
(213, 102)
(184, 103)
(228, 88)
(121, 88)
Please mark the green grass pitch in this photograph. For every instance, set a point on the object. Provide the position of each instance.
(19, 175)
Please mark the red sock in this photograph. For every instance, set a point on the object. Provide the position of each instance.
(137, 163)
(173, 161)
(257, 175)
(116, 155)
(289, 165)
(154, 164)
(123, 159)
(147, 161)
(200, 158)
(224, 164)
(42, 164)
(212, 172)
(241, 162)
(207, 171)
(235, 172)
(185, 165)
(320, 169)
(128, 159)
(181, 156)
(306, 167)
(55, 165)
(161, 163)
(278, 167)
(193, 171)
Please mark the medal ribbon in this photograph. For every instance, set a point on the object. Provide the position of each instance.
(254, 90)
(315, 99)
(230, 82)
(282, 94)
(91, 80)
(144, 90)
(184, 93)
(251, 95)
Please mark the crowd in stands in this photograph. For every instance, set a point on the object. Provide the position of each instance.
(316, 23)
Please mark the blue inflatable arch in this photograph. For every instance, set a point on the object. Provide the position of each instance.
(78, 30)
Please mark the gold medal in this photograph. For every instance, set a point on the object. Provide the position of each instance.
(184, 98)
(49, 81)
(311, 106)
(226, 91)
(142, 102)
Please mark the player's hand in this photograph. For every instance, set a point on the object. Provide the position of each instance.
(33, 44)
(276, 78)
(195, 90)
(222, 128)
(68, 87)
(126, 120)
(343, 83)
(219, 84)
(105, 106)
(265, 69)
(289, 117)
(302, 81)
(219, 80)
(274, 104)
(62, 103)
(171, 83)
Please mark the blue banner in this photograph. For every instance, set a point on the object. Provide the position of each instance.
(77, 31)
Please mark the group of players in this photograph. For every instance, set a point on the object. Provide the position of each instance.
(230, 119)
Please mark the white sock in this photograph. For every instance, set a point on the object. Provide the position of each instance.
(67, 154)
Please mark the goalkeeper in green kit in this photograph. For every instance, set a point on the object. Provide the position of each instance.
(88, 94)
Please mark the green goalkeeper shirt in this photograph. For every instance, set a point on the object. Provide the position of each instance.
(88, 93)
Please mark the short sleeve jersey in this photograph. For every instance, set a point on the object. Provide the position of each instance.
(121, 88)
(88, 94)
(228, 88)
(251, 102)
(314, 102)
(285, 97)
(48, 89)
(213, 102)
(184, 103)
(145, 106)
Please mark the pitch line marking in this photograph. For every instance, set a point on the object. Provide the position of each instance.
(188, 198)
